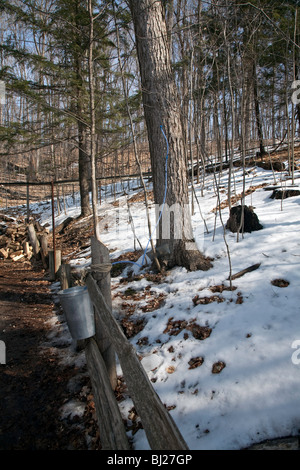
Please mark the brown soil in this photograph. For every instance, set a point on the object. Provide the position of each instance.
(34, 384)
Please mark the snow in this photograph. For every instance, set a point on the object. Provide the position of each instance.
(256, 396)
(72, 408)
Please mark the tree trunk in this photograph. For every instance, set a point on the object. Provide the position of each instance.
(84, 160)
(257, 112)
(162, 114)
(93, 123)
(84, 169)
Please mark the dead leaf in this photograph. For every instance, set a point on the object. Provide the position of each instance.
(207, 300)
(280, 283)
(218, 367)
(195, 362)
(199, 332)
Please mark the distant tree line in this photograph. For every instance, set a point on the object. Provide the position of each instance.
(76, 82)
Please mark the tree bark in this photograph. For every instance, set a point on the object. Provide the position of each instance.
(257, 112)
(93, 123)
(84, 163)
(162, 112)
(84, 158)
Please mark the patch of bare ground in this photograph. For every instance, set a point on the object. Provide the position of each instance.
(34, 383)
(140, 197)
(238, 197)
(276, 161)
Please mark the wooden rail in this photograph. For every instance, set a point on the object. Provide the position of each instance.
(112, 430)
(109, 341)
(73, 181)
(161, 431)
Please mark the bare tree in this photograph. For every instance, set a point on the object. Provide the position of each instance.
(162, 112)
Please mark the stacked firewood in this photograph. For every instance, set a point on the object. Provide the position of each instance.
(19, 240)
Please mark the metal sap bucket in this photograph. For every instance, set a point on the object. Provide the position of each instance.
(78, 308)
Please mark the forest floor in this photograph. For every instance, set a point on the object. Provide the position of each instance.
(34, 384)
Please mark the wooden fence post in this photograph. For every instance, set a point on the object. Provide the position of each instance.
(44, 245)
(112, 431)
(100, 256)
(27, 200)
(54, 263)
(65, 276)
(44, 250)
(33, 239)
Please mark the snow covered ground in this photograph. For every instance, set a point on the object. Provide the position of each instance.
(255, 329)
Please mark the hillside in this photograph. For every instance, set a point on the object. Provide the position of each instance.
(236, 384)
(224, 361)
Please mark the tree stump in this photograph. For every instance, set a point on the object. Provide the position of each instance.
(250, 220)
(267, 165)
(284, 193)
(54, 265)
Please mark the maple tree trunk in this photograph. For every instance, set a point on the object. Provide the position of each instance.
(162, 114)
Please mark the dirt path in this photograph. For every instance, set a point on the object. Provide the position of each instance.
(34, 385)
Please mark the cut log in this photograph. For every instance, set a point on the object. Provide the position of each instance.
(4, 240)
(33, 239)
(14, 254)
(60, 228)
(3, 253)
(26, 248)
(17, 258)
(5, 218)
(44, 244)
(14, 246)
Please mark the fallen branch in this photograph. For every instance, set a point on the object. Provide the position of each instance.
(244, 271)
(61, 227)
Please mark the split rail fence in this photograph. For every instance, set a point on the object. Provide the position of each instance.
(101, 350)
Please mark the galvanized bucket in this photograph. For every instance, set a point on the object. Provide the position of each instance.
(78, 308)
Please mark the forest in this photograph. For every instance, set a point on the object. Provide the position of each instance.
(72, 76)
